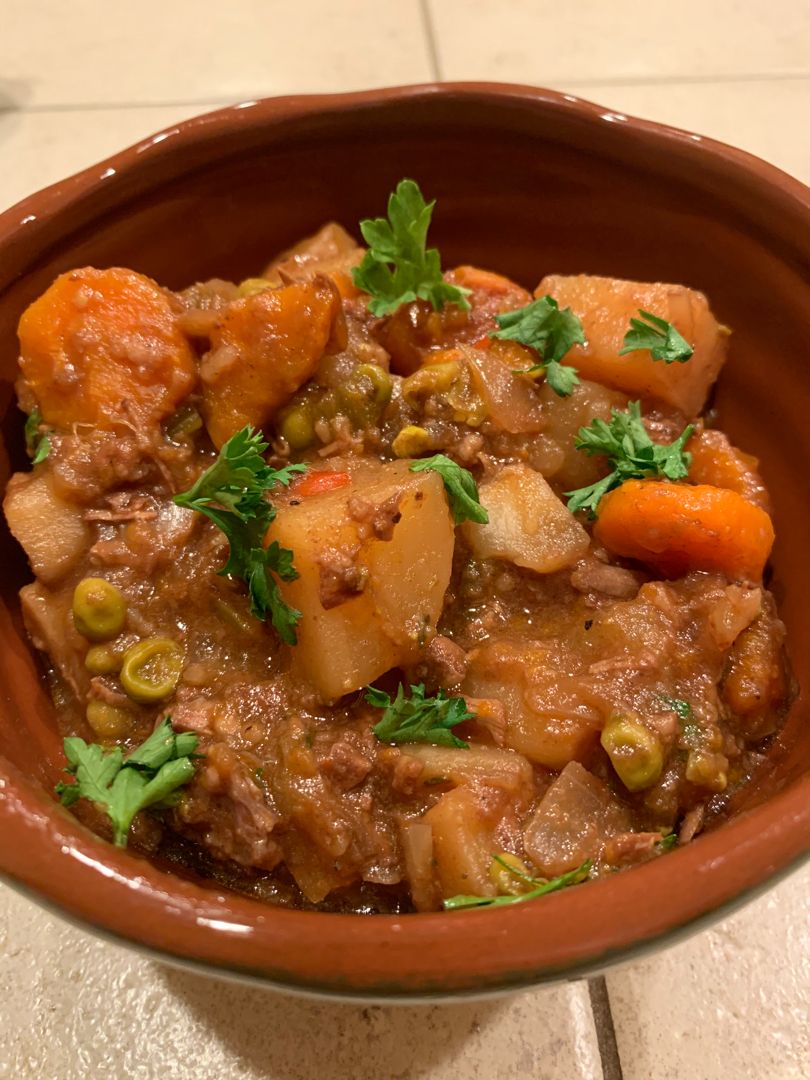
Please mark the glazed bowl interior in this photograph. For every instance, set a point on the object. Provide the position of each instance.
(527, 183)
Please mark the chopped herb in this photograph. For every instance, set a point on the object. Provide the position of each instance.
(686, 718)
(667, 842)
(418, 718)
(397, 268)
(551, 333)
(150, 776)
(541, 888)
(38, 443)
(231, 493)
(460, 485)
(658, 336)
(632, 453)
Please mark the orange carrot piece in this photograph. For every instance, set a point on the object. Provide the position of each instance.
(675, 528)
(102, 347)
(263, 349)
(316, 483)
(716, 461)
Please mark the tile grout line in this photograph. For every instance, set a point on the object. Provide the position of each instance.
(605, 1029)
(561, 84)
(430, 35)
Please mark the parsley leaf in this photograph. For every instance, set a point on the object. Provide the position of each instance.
(151, 776)
(460, 485)
(37, 443)
(397, 268)
(667, 842)
(542, 887)
(551, 333)
(418, 718)
(231, 493)
(632, 453)
(658, 336)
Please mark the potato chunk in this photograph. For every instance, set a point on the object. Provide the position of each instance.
(477, 765)
(51, 531)
(263, 349)
(528, 524)
(102, 347)
(606, 306)
(575, 817)
(463, 844)
(374, 560)
(549, 717)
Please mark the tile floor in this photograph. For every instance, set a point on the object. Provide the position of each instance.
(80, 80)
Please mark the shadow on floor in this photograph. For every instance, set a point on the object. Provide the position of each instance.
(274, 1035)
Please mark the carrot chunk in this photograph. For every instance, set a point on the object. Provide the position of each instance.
(263, 349)
(716, 461)
(319, 481)
(102, 347)
(675, 528)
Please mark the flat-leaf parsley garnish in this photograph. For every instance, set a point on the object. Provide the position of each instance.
(542, 326)
(659, 337)
(418, 718)
(151, 776)
(398, 268)
(231, 493)
(460, 485)
(631, 452)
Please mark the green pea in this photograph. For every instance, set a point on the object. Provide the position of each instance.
(380, 380)
(297, 428)
(99, 609)
(707, 770)
(102, 660)
(634, 751)
(109, 722)
(151, 670)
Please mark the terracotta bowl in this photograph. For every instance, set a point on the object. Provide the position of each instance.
(528, 182)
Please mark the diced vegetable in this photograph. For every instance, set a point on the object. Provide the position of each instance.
(606, 306)
(367, 604)
(715, 461)
(102, 347)
(263, 349)
(151, 669)
(676, 528)
(99, 609)
(108, 722)
(477, 765)
(463, 843)
(330, 251)
(51, 531)
(417, 847)
(528, 524)
(511, 401)
(634, 751)
(575, 817)
(548, 717)
(318, 481)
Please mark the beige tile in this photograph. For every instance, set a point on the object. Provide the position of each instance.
(542, 41)
(74, 1007)
(40, 148)
(153, 52)
(732, 1003)
(766, 118)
